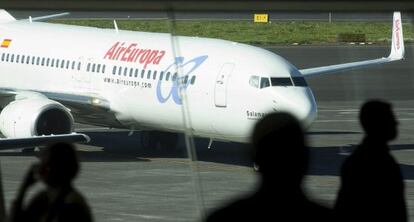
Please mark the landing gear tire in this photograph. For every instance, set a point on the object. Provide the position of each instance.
(159, 141)
(168, 141)
(148, 141)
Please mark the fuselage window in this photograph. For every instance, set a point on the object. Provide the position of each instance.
(98, 68)
(57, 63)
(88, 67)
(103, 68)
(155, 75)
(149, 74)
(47, 61)
(264, 82)
(174, 77)
(193, 80)
(119, 70)
(67, 64)
(43, 61)
(161, 75)
(17, 58)
(114, 70)
(38, 61)
(52, 63)
(167, 77)
(27, 59)
(22, 59)
(142, 73)
(254, 81)
(12, 58)
(3, 56)
(125, 71)
(281, 81)
(93, 67)
(62, 64)
(33, 60)
(79, 65)
(73, 64)
(7, 57)
(185, 80)
(131, 71)
(136, 73)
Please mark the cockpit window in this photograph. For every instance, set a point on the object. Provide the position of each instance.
(281, 81)
(264, 82)
(254, 81)
(299, 81)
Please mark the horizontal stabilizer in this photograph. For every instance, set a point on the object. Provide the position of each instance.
(38, 141)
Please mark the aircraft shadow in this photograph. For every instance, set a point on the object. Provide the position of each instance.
(120, 144)
(119, 147)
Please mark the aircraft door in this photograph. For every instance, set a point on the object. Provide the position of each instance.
(220, 89)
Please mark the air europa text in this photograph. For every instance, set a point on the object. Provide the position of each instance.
(131, 53)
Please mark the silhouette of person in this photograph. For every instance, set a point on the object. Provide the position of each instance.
(372, 187)
(60, 201)
(280, 152)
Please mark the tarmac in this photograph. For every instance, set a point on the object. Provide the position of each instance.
(125, 183)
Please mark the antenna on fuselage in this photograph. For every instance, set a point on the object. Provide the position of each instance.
(116, 26)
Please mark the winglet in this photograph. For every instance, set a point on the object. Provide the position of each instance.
(397, 44)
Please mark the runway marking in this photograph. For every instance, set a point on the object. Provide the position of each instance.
(355, 120)
(143, 216)
(357, 110)
(338, 110)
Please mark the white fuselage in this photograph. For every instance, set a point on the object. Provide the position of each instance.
(221, 96)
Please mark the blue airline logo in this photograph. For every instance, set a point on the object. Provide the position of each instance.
(180, 64)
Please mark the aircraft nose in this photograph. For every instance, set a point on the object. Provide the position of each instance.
(298, 101)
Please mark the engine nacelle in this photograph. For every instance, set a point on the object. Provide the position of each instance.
(35, 117)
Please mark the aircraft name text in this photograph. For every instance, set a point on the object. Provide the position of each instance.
(131, 53)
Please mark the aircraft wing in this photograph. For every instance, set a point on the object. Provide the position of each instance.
(397, 53)
(18, 143)
(6, 17)
(90, 109)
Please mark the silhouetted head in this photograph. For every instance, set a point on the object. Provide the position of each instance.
(58, 164)
(378, 121)
(279, 149)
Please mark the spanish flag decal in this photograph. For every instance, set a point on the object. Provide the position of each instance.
(5, 43)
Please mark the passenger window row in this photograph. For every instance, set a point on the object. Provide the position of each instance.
(94, 67)
(40, 61)
(150, 74)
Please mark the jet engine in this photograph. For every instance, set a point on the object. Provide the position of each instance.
(35, 117)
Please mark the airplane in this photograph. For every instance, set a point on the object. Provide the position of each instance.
(54, 75)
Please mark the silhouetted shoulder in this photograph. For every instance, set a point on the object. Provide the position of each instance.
(253, 209)
(75, 208)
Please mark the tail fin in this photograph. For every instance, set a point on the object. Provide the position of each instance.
(5, 16)
(397, 44)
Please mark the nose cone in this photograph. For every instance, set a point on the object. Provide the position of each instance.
(298, 101)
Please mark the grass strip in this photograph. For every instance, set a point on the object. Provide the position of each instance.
(275, 33)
